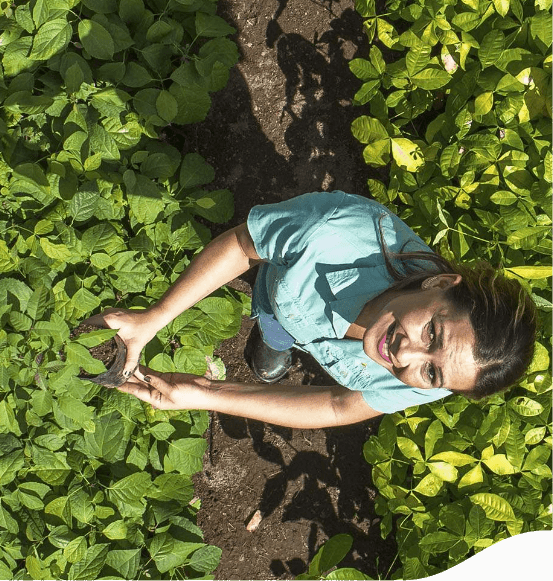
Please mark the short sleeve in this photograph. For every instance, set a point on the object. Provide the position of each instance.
(396, 398)
(281, 232)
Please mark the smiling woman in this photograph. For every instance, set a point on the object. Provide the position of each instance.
(344, 279)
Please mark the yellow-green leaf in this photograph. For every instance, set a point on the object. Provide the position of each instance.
(407, 155)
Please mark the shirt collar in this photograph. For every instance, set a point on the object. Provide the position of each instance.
(352, 288)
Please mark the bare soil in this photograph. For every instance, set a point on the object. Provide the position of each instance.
(281, 128)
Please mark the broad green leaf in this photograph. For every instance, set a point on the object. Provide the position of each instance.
(378, 152)
(431, 78)
(75, 550)
(158, 165)
(503, 198)
(368, 129)
(407, 154)
(193, 104)
(491, 47)
(537, 458)
(125, 135)
(483, 103)
(525, 406)
(438, 542)
(90, 566)
(540, 29)
(417, 58)
(502, 6)
(454, 458)
(80, 355)
(185, 455)
(531, 272)
(409, 448)
(116, 530)
(172, 487)
(106, 440)
(10, 464)
(528, 237)
(96, 40)
(83, 204)
(541, 359)
(129, 272)
(363, 69)
(216, 206)
(430, 485)
(125, 562)
(205, 559)
(495, 507)
(367, 92)
(168, 552)
(534, 435)
(94, 338)
(29, 178)
(52, 37)
(195, 171)
(347, 573)
(144, 197)
(499, 464)
(444, 471)
(136, 75)
(77, 411)
(128, 494)
(212, 26)
(330, 554)
(167, 106)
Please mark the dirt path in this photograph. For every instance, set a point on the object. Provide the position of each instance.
(279, 129)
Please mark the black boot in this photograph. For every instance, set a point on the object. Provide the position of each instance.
(267, 364)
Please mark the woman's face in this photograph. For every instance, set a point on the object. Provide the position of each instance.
(422, 340)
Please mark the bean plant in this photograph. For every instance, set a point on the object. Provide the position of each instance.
(455, 115)
(101, 207)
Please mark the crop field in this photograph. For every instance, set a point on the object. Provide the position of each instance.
(99, 209)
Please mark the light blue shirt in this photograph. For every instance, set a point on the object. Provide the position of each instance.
(324, 263)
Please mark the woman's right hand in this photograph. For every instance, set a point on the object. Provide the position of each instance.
(168, 391)
(136, 329)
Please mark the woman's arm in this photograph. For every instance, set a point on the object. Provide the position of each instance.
(222, 260)
(284, 405)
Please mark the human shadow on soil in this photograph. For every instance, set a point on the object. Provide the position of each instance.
(314, 107)
(330, 490)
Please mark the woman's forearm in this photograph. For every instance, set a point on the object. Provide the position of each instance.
(222, 260)
(287, 405)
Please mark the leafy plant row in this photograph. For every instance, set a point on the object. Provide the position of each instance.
(456, 96)
(99, 209)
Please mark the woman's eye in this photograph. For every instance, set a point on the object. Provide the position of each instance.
(431, 332)
(431, 372)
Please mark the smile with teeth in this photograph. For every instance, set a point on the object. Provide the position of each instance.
(384, 345)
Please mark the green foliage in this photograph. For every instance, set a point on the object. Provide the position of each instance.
(98, 209)
(328, 556)
(457, 97)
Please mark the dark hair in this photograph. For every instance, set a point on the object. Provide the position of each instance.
(501, 313)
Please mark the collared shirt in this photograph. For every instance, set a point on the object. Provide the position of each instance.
(324, 262)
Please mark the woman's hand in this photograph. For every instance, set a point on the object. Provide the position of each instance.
(167, 391)
(136, 329)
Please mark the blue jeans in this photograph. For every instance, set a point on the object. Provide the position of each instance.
(272, 332)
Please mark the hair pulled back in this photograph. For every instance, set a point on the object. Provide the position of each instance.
(500, 311)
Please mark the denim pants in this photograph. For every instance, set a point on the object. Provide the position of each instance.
(272, 332)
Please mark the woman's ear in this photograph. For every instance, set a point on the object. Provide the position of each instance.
(441, 281)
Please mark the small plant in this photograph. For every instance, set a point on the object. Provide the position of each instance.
(328, 556)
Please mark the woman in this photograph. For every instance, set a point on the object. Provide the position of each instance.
(344, 279)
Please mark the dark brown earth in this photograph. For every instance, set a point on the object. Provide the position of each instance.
(281, 128)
